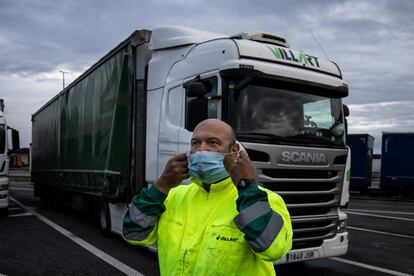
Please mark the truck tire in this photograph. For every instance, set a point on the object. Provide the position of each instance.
(104, 218)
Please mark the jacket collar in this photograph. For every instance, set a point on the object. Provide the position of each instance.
(223, 184)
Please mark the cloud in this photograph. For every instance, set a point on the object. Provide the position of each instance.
(373, 43)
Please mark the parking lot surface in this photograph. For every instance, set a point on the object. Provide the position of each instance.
(36, 240)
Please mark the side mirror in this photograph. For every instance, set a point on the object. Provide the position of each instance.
(346, 114)
(197, 111)
(196, 89)
(346, 110)
(197, 102)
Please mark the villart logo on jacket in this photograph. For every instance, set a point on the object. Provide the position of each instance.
(222, 238)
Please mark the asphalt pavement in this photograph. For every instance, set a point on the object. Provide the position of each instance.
(36, 240)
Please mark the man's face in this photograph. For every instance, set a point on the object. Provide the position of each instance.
(213, 137)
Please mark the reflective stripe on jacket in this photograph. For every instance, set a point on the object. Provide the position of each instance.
(220, 232)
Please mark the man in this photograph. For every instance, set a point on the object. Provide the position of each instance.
(221, 224)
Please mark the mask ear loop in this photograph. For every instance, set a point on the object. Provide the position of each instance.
(237, 157)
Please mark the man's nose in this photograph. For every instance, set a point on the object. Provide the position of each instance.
(203, 146)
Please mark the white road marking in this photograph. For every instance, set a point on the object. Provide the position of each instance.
(381, 232)
(378, 216)
(372, 267)
(97, 252)
(20, 215)
(18, 188)
(385, 212)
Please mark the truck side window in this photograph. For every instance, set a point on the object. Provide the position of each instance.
(201, 108)
(174, 110)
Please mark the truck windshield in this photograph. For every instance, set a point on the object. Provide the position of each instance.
(266, 114)
(2, 138)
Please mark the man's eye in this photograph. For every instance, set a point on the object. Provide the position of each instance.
(213, 142)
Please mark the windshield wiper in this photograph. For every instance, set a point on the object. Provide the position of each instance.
(314, 139)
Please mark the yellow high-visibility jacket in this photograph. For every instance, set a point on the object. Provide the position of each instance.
(225, 231)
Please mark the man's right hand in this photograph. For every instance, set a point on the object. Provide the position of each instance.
(174, 173)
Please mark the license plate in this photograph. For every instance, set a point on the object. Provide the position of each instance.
(302, 256)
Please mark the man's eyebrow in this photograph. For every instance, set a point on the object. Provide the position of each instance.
(195, 139)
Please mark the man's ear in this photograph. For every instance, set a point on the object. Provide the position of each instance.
(235, 147)
(240, 146)
(236, 151)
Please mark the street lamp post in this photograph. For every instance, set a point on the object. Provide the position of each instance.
(63, 74)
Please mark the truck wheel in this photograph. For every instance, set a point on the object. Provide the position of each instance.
(104, 219)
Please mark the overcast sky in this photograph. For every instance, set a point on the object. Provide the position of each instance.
(371, 41)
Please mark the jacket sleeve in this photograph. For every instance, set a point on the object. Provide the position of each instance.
(264, 219)
(140, 222)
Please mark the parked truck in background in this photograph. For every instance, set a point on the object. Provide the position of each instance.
(397, 165)
(111, 132)
(4, 157)
(361, 146)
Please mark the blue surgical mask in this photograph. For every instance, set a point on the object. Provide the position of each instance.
(207, 167)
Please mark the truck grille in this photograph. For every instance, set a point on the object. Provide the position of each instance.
(312, 198)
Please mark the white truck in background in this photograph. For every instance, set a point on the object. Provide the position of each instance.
(4, 157)
(111, 132)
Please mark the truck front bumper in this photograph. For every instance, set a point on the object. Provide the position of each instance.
(335, 246)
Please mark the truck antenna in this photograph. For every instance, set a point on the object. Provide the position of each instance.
(320, 46)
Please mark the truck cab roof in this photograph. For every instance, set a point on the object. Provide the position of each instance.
(256, 46)
(174, 36)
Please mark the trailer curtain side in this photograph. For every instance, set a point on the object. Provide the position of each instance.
(81, 140)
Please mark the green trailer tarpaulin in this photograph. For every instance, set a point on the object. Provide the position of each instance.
(81, 138)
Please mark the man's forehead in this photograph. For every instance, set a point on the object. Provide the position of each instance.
(212, 129)
(209, 132)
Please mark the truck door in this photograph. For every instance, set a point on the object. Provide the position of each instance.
(171, 122)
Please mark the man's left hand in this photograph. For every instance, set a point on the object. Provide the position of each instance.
(243, 168)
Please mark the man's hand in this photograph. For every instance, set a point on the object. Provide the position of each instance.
(174, 173)
(243, 168)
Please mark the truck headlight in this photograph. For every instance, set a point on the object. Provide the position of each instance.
(341, 226)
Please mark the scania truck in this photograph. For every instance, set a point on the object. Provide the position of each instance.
(4, 157)
(110, 133)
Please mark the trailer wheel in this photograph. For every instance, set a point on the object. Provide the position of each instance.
(104, 219)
